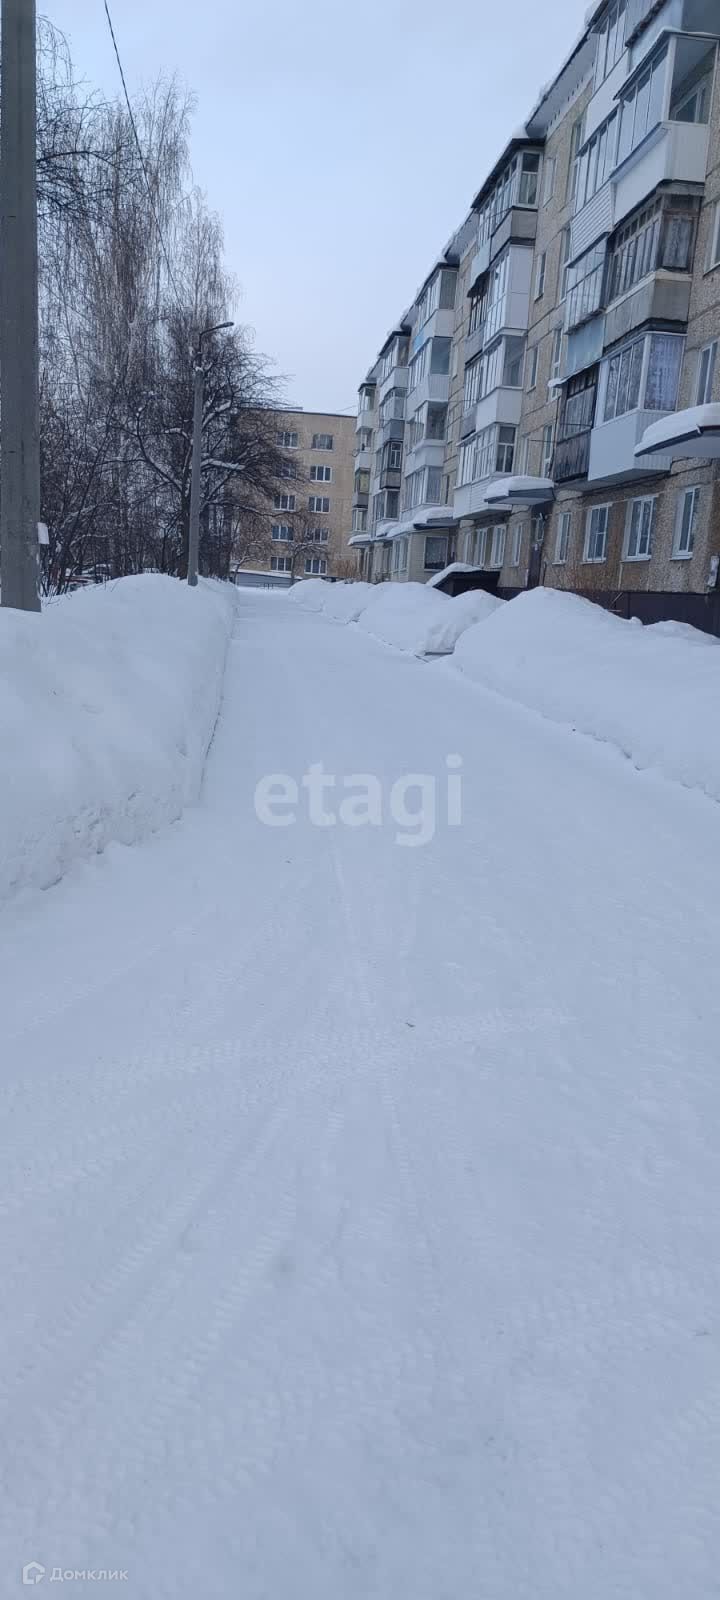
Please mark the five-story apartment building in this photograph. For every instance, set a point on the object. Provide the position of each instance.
(577, 306)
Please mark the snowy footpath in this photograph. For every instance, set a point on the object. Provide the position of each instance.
(359, 1203)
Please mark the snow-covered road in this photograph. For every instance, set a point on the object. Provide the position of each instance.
(358, 1219)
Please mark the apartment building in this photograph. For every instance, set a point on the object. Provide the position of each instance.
(586, 312)
(303, 531)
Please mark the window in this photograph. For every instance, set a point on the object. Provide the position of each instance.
(321, 474)
(706, 373)
(565, 241)
(639, 528)
(584, 286)
(476, 312)
(490, 451)
(316, 564)
(282, 532)
(693, 105)
(645, 373)
(611, 40)
(318, 502)
(399, 555)
(288, 469)
(323, 441)
(497, 547)
(318, 535)
(549, 179)
(514, 361)
(576, 139)
(713, 254)
(422, 488)
(392, 456)
(288, 441)
(284, 502)
(528, 184)
(280, 564)
(688, 506)
(655, 237)
(596, 161)
(547, 450)
(663, 376)
(562, 538)
(642, 107)
(540, 275)
(359, 519)
(505, 449)
(557, 354)
(596, 533)
(517, 543)
(533, 365)
(495, 297)
(435, 553)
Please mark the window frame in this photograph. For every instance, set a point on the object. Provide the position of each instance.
(497, 546)
(712, 258)
(316, 566)
(518, 534)
(317, 443)
(281, 563)
(282, 532)
(705, 382)
(562, 538)
(679, 554)
(533, 361)
(321, 510)
(595, 560)
(549, 178)
(321, 474)
(540, 274)
(639, 533)
(436, 538)
(288, 439)
(278, 502)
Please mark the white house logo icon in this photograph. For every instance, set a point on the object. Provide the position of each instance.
(33, 1572)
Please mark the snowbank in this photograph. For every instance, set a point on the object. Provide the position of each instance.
(465, 610)
(651, 692)
(108, 702)
(345, 601)
(413, 616)
(310, 593)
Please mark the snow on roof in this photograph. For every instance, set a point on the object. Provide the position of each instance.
(518, 487)
(696, 430)
(455, 566)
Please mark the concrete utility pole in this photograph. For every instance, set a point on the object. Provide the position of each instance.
(196, 467)
(19, 382)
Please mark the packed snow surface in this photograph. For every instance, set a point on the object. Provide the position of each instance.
(651, 692)
(107, 706)
(358, 1225)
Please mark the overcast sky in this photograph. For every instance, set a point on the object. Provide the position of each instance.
(340, 143)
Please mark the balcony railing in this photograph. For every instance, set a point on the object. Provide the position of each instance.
(572, 457)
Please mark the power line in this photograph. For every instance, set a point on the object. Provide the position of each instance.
(146, 176)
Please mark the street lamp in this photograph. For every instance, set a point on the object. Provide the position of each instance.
(196, 470)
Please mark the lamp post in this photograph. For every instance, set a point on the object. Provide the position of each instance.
(196, 468)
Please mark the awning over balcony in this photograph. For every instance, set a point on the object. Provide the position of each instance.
(359, 539)
(693, 432)
(520, 491)
(427, 519)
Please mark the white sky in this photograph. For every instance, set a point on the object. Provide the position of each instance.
(341, 144)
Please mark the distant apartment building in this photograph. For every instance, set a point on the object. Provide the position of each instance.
(302, 531)
(545, 411)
